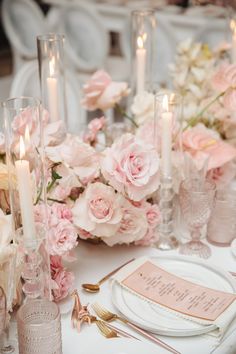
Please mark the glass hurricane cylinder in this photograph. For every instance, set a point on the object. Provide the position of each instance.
(167, 138)
(51, 75)
(39, 328)
(25, 162)
(143, 24)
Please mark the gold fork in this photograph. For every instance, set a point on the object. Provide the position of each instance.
(108, 316)
(106, 331)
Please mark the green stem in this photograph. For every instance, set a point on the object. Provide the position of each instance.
(55, 200)
(194, 120)
(121, 111)
(51, 184)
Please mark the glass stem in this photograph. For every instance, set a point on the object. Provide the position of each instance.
(196, 234)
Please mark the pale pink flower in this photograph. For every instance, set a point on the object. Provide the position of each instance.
(202, 143)
(54, 133)
(61, 211)
(131, 167)
(132, 228)
(150, 238)
(225, 80)
(62, 237)
(55, 264)
(222, 176)
(60, 193)
(112, 95)
(64, 281)
(146, 133)
(77, 155)
(97, 124)
(101, 93)
(98, 210)
(143, 107)
(84, 234)
(153, 215)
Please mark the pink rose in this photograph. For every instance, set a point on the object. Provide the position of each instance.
(60, 193)
(153, 215)
(150, 238)
(55, 264)
(131, 167)
(202, 143)
(97, 124)
(222, 176)
(225, 80)
(78, 156)
(101, 93)
(25, 118)
(64, 281)
(94, 88)
(62, 238)
(98, 210)
(54, 133)
(219, 80)
(61, 211)
(84, 234)
(133, 225)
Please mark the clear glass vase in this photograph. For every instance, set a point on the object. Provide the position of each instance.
(51, 75)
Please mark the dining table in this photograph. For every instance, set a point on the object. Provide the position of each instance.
(96, 260)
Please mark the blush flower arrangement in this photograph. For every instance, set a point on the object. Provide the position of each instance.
(104, 187)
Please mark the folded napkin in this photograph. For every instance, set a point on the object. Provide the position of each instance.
(221, 323)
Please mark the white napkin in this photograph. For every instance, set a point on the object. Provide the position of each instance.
(222, 322)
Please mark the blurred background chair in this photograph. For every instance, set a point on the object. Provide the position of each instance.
(23, 20)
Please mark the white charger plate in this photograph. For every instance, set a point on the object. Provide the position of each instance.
(233, 247)
(157, 320)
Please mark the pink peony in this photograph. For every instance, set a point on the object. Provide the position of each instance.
(98, 210)
(62, 237)
(133, 225)
(131, 167)
(64, 281)
(202, 143)
(101, 93)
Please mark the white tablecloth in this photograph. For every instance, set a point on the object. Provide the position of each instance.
(94, 261)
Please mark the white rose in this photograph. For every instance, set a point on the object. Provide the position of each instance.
(143, 107)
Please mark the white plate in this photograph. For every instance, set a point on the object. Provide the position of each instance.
(116, 346)
(156, 320)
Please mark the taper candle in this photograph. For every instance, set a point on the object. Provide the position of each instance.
(141, 64)
(52, 90)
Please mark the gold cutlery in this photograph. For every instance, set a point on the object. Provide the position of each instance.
(93, 288)
(106, 331)
(108, 316)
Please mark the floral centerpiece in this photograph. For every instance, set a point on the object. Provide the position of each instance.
(100, 187)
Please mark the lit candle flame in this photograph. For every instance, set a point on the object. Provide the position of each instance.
(233, 27)
(165, 104)
(22, 148)
(140, 42)
(52, 66)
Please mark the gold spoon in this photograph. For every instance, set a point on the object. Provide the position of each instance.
(94, 288)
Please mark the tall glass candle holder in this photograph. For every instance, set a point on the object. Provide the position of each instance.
(167, 137)
(143, 24)
(25, 161)
(51, 74)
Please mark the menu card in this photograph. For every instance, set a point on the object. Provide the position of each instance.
(166, 289)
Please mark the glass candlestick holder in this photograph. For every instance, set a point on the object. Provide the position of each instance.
(167, 140)
(51, 75)
(143, 25)
(27, 186)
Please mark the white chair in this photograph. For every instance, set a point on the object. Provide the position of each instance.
(87, 41)
(23, 20)
(26, 83)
